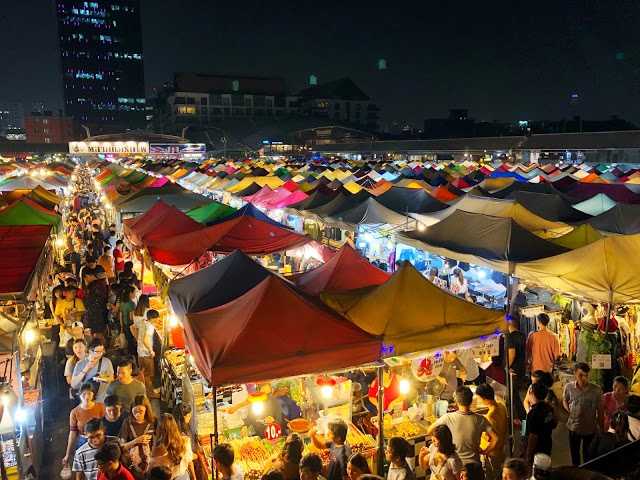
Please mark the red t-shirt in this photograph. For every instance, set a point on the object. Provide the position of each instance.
(118, 258)
(121, 474)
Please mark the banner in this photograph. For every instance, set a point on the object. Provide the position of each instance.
(89, 148)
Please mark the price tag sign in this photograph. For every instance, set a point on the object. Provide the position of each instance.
(272, 432)
(601, 361)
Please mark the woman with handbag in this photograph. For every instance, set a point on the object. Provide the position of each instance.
(137, 434)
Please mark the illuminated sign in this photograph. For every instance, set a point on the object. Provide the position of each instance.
(177, 148)
(89, 148)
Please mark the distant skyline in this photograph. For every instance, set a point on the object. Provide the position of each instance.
(500, 60)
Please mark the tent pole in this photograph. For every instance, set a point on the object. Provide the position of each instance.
(509, 380)
(214, 438)
(609, 309)
(380, 373)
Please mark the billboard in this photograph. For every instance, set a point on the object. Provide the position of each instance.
(178, 149)
(126, 148)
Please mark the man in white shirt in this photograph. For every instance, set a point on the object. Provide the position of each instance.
(143, 331)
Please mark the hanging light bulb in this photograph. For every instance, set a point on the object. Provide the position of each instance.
(29, 336)
(174, 321)
(404, 386)
(258, 408)
(326, 391)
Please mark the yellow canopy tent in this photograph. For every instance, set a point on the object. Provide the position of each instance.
(412, 314)
(604, 271)
(580, 236)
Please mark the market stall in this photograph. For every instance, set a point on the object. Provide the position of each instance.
(25, 264)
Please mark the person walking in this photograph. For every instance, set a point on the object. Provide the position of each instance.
(143, 331)
(543, 346)
(126, 388)
(516, 356)
(540, 423)
(497, 417)
(583, 401)
(467, 428)
(85, 465)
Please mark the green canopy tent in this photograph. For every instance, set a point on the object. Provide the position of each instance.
(28, 212)
(211, 212)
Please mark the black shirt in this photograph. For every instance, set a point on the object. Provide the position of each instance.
(113, 428)
(541, 422)
(517, 341)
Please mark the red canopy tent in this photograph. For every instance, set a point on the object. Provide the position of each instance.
(160, 221)
(346, 270)
(21, 248)
(271, 332)
(245, 233)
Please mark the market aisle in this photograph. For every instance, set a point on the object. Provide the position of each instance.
(56, 430)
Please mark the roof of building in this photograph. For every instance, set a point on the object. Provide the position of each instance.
(341, 89)
(584, 141)
(441, 145)
(205, 83)
(137, 136)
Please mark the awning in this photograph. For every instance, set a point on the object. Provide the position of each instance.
(346, 270)
(602, 270)
(622, 219)
(272, 332)
(21, 248)
(412, 314)
(580, 236)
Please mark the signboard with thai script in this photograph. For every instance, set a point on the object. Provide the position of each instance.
(121, 148)
(178, 148)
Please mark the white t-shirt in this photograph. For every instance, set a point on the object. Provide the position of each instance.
(449, 470)
(145, 336)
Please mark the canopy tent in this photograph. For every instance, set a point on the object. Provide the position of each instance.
(343, 201)
(220, 283)
(622, 219)
(161, 221)
(182, 201)
(606, 270)
(316, 199)
(244, 340)
(579, 237)
(414, 200)
(44, 197)
(412, 314)
(28, 212)
(549, 206)
(346, 270)
(211, 212)
(250, 210)
(500, 208)
(22, 247)
(369, 212)
(245, 233)
(595, 205)
(482, 240)
(25, 183)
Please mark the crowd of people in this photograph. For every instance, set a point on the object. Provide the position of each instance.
(102, 324)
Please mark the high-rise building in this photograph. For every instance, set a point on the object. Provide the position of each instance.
(102, 66)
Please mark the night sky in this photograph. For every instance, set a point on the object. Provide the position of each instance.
(499, 61)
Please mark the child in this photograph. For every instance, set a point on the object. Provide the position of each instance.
(311, 467)
(398, 449)
(339, 449)
(224, 457)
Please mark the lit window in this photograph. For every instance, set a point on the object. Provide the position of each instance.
(186, 110)
(235, 85)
